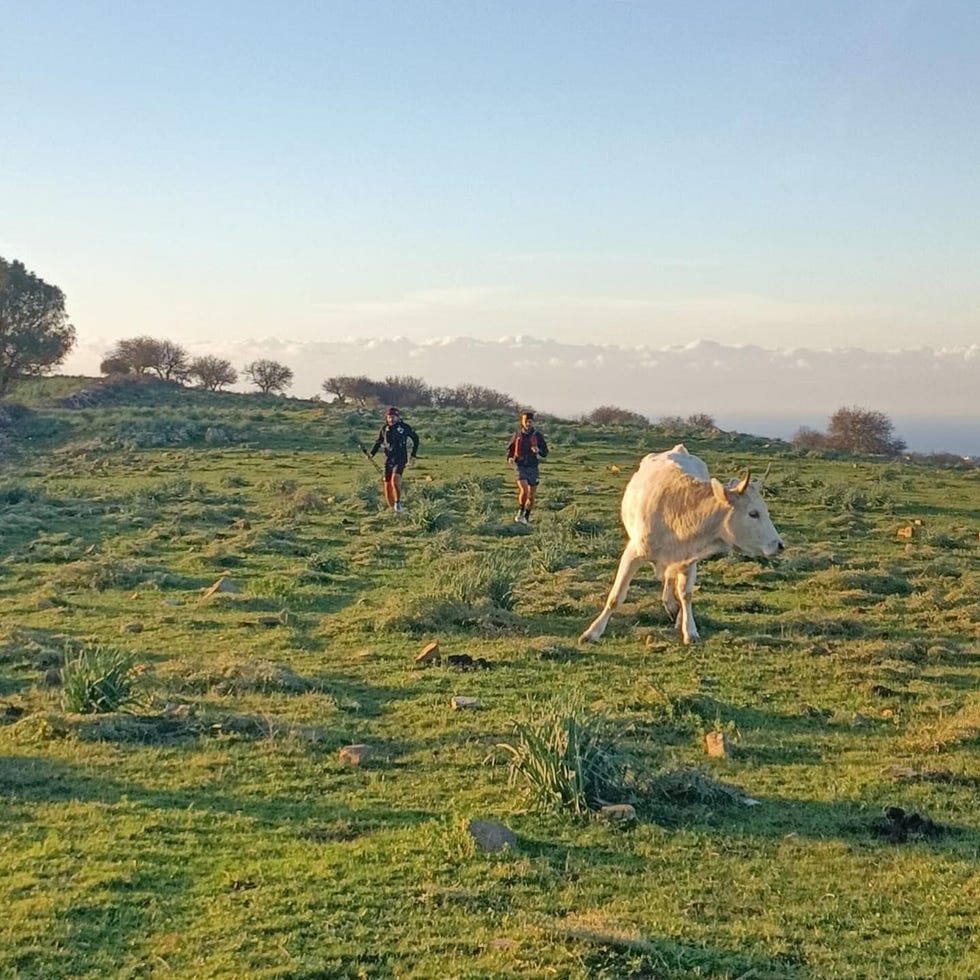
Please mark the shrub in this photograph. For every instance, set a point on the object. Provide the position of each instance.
(611, 415)
(570, 758)
(98, 679)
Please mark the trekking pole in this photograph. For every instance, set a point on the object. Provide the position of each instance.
(360, 445)
(368, 456)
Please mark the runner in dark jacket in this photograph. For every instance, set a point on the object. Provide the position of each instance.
(524, 451)
(395, 436)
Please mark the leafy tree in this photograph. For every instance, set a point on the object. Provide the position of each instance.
(347, 388)
(611, 415)
(35, 334)
(134, 355)
(863, 430)
(268, 376)
(212, 373)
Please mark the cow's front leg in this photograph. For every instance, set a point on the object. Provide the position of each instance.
(628, 564)
(669, 596)
(683, 588)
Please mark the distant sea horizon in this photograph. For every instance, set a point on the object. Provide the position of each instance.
(941, 434)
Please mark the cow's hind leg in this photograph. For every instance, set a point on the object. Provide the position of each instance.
(628, 565)
(684, 580)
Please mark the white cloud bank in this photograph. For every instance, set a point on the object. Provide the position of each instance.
(929, 394)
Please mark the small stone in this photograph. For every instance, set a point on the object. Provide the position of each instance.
(45, 603)
(717, 745)
(618, 813)
(904, 532)
(240, 524)
(271, 620)
(429, 654)
(491, 835)
(131, 628)
(356, 755)
(461, 701)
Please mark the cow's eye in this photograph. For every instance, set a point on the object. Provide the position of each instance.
(754, 513)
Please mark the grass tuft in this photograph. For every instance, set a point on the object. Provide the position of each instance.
(570, 758)
(98, 679)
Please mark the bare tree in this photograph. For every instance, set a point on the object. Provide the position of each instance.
(807, 438)
(405, 390)
(212, 373)
(171, 362)
(473, 396)
(268, 376)
(863, 430)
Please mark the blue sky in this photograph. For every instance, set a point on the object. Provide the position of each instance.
(781, 174)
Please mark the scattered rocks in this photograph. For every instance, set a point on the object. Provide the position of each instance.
(490, 835)
(429, 654)
(355, 755)
(718, 745)
(618, 813)
(460, 701)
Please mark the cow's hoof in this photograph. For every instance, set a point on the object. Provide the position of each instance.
(587, 637)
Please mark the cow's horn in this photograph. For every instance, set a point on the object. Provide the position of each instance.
(743, 484)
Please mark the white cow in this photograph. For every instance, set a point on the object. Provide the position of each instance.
(676, 514)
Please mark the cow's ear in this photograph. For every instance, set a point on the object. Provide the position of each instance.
(721, 494)
(743, 484)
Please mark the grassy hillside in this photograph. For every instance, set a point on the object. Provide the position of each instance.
(211, 828)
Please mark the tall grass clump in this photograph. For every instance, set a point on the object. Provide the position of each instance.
(98, 679)
(570, 758)
(476, 578)
(430, 515)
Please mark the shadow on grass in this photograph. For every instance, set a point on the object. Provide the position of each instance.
(859, 824)
(29, 780)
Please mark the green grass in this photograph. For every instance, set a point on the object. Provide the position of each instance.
(211, 830)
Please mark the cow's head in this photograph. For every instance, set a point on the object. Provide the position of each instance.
(747, 522)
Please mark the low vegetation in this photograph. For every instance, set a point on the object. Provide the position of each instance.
(203, 601)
